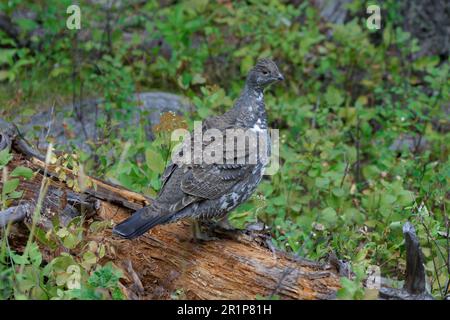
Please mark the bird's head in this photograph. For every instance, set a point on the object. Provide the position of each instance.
(264, 73)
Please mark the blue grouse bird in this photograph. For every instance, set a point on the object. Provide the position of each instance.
(211, 190)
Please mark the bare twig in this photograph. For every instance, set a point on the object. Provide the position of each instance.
(436, 271)
(347, 165)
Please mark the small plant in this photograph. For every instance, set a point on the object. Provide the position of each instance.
(362, 117)
(27, 276)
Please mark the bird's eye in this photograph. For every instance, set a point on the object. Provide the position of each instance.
(265, 72)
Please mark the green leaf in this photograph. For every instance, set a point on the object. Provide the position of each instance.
(71, 241)
(4, 75)
(198, 79)
(19, 259)
(105, 277)
(198, 5)
(322, 182)
(61, 278)
(15, 194)
(279, 201)
(328, 217)
(89, 259)
(35, 254)
(98, 226)
(396, 225)
(63, 232)
(59, 264)
(59, 71)
(26, 24)
(26, 280)
(11, 185)
(338, 192)
(6, 55)
(154, 160)
(5, 157)
(246, 64)
(333, 97)
(24, 172)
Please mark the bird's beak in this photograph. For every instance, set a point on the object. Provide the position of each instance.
(280, 77)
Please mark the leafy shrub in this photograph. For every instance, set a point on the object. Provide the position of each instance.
(362, 118)
(74, 274)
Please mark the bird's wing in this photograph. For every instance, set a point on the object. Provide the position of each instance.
(212, 181)
(207, 181)
(208, 123)
(166, 174)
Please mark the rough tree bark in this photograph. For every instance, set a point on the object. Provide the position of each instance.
(165, 260)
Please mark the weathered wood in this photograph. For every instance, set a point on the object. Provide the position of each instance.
(415, 269)
(236, 266)
(415, 282)
(102, 190)
(165, 261)
(14, 214)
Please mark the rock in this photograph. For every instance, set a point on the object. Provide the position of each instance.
(411, 142)
(428, 21)
(333, 11)
(64, 127)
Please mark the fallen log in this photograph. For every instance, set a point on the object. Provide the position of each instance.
(165, 263)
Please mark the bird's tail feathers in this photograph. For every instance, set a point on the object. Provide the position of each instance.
(140, 222)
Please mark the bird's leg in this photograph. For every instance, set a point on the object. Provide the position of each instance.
(225, 224)
(198, 234)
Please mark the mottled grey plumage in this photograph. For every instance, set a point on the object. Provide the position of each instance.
(205, 191)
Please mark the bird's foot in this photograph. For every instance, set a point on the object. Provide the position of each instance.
(199, 235)
(224, 224)
(255, 227)
(203, 237)
(223, 227)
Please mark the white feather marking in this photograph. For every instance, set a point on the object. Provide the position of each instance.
(224, 202)
(257, 128)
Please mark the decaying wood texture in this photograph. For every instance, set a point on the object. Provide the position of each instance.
(415, 280)
(165, 261)
(228, 268)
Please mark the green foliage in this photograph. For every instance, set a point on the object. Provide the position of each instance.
(9, 190)
(347, 100)
(68, 276)
(5, 158)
